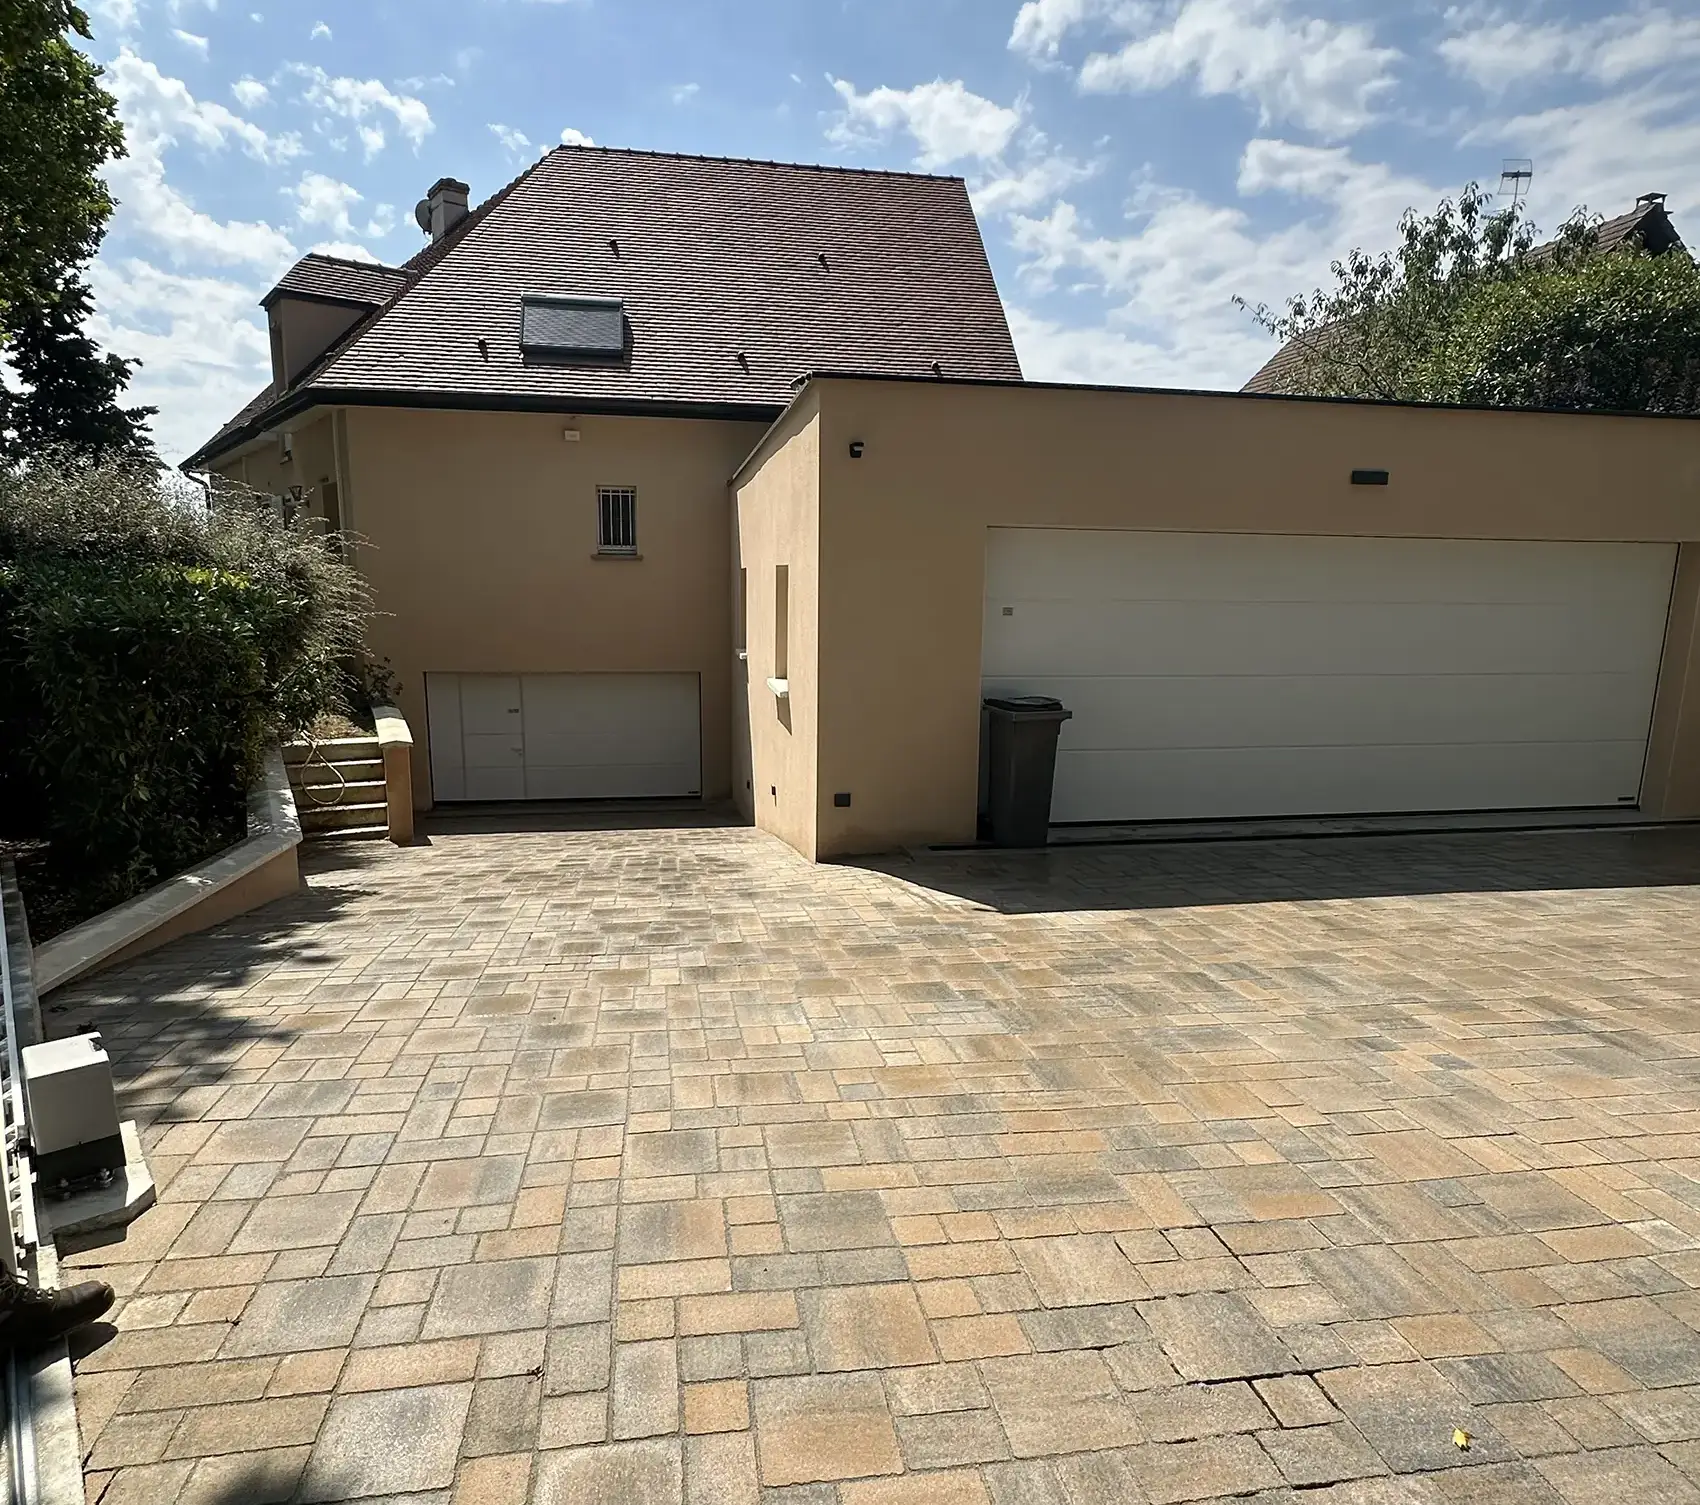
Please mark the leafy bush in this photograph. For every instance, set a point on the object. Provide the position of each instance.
(153, 641)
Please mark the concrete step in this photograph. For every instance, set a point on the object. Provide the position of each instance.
(329, 796)
(332, 748)
(340, 817)
(350, 770)
(347, 833)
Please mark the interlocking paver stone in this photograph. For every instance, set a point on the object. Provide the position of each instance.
(817, 1428)
(296, 1222)
(1409, 1413)
(388, 1442)
(653, 1164)
(834, 1220)
(490, 1298)
(296, 1316)
(1217, 1337)
(1059, 1403)
(865, 1327)
(634, 1473)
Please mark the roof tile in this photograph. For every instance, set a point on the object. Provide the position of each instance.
(738, 277)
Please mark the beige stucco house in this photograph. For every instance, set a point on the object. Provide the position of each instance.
(532, 426)
(687, 477)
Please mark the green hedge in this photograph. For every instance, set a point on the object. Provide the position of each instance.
(151, 647)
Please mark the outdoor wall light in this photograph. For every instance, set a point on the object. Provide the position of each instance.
(1369, 478)
(856, 449)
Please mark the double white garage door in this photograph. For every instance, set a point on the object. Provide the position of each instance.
(564, 736)
(1220, 676)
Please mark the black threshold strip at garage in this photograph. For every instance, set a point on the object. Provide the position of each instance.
(1288, 828)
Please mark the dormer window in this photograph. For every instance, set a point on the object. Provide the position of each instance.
(573, 330)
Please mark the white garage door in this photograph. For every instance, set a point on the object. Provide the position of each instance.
(1217, 675)
(563, 736)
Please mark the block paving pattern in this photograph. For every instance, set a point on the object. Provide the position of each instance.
(657, 1166)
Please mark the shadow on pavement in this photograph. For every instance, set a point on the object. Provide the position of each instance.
(176, 1016)
(579, 815)
(1179, 875)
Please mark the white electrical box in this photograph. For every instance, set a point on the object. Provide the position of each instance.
(71, 1110)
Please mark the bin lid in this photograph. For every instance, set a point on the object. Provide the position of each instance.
(1027, 704)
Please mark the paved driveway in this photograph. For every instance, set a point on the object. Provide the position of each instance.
(642, 1166)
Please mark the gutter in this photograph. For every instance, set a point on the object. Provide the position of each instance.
(474, 402)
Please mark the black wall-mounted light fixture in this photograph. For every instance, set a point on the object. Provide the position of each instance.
(856, 449)
(1369, 477)
(841, 801)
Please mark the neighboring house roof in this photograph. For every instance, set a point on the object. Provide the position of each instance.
(1647, 225)
(737, 278)
(339, 280)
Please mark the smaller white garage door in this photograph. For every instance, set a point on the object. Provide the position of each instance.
(564, 736)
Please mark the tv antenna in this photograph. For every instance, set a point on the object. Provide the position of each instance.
(1515, 175)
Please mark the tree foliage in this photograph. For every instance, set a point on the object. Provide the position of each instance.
(57, 127)
(151, 647)
(1468, 308)
(70, 393)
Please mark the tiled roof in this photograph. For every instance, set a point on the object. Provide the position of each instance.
(256, 405)
(737, 278)
(316, 276)
(1646, 225)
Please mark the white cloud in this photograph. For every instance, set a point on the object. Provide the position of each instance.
(1035, 181)
(1053, 351)
(572, 137)
(346, 250)
(365, 102)
(1498, 52)
(1041, 26)
(160, 109)
(158, 113)
(200, 339)
(120, 15)
(191, 41)
(1325, 75)
(514, 143)
(685, 93)
(322, 200)
(319, 33)
(1604, 152)
(948, 122)
(1165, 280)
(250, 93)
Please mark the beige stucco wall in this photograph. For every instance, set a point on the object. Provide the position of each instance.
(903, 531)
(777, 524)
(482, 530)
(308, 329)
(312, 462)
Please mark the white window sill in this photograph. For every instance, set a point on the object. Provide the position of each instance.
(780, 687)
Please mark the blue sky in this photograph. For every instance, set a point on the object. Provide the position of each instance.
(1135, 163)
